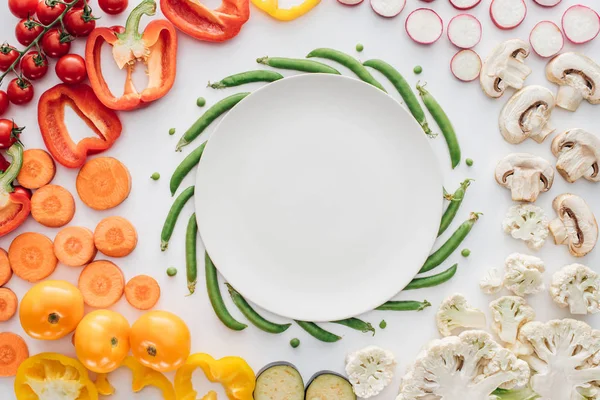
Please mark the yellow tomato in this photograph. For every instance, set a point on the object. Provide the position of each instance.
(102, 340)
(51, 310)
(160, 340)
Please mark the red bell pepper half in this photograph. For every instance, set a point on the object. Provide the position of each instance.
(202, 23)
(15, 206)
(51, 118)
(156, 47)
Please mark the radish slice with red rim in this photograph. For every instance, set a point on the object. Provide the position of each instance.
(464, 31)
(548, 3)
(466, 65)
(424, 26)
(580, 24)
(388, 8)
(350, 2)
(508, 14)
(464, 4)
(546, 39)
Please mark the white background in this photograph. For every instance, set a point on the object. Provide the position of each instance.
(146, 147)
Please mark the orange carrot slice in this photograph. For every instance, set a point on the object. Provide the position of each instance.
(52, 206)
(142, 292)
(5, 269)
(103, 183)
(8, 304)
(101, 284)
(38, 169)
(115, 237)
(74, 246)
(13, 351)
(31, 256)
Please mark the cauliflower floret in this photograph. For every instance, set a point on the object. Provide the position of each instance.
(491, 282)
(523, 274)
(468, 366)
(370, 370)
(527, 222)
(577, 287)
(455, 312)
(564, 360)
(510, 313)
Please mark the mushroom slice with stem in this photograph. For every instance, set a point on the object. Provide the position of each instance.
(526, 115)
(526, 175)
(575, 226)
(578, 153)
(578, 77)
(505, 67)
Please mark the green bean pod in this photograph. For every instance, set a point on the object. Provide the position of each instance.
(209, 117)
(246, 77)
(445, 250)
(456, 200)
(188, 163)
(440, 117)
(317, 332)
(298, 64)
(356, 324)
(347, 61)
(254, 317)
(172, 216)
(216, 300)
(404, 89)
(191, 262)
(433, 280)
(404, 305)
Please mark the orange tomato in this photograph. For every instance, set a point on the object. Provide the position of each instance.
(51, 310)
(102, 340)
(160, 340)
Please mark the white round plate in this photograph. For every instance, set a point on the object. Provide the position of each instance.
(318, 197)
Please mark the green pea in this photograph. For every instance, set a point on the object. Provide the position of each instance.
(172, 131)
(469, 162)
(383, 324)
(201, 102)
(171, 271)
(465, 253)
(418, 69)
(360, 47)
(295, 342)
(155, 176)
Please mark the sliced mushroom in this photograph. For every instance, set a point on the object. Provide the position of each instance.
(578, 153)
(575, 226)
(505, 67)
(526, 175)
(526, 115)
(578, 77)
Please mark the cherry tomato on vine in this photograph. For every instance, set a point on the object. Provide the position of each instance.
(3, 102)
(81, 4)
(71, 69)
(27, 30)
(8, 55)
(22, 190)
(80, 21)
(48, 11)
(113, 7)
(9, 133)
(56, 43)
(22, 8)
(20, 91)
(34, 65)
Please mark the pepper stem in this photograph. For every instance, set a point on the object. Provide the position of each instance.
(7, 177)
(132, 26)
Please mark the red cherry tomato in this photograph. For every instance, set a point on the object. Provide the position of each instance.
(34, 65)
(27, 31)
(81, 4)
(8, 55)
(52, 45)
(113, 6)
(3, 163)
(19, 91)
(117, 28)
(9, 133)
(22, 8)
(71, 69)
(48, 11)
(80, 21)
(22, 190)
(3, 102)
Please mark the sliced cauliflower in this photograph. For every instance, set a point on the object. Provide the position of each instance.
(455, 313)
(524, 274)
(491, 282)
(370, 370)
(509, 314)
(528, 223)
(564, 359)
(469, 366)
(577, 287)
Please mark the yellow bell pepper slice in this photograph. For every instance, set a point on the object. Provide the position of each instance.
(233, 373)
(271, 7)
(141, 377)
(53, 376)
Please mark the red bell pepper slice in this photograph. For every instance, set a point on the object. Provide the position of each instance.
(202, 23)
(156, 47)
(51, 118)
(14, 206)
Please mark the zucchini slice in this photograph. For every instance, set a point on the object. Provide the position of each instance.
(328, 385)
(279, 381)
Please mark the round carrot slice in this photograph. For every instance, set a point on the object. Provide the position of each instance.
(38, 169)
(5, 269)
(74, 246)
(142, 292)
(13, 351)
(52, 206)
(31, 256)
(101, 284)
(8, 304)
(103, 183)
(115, 237)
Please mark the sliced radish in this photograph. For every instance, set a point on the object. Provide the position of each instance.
(580, 24)
(350, 2)
(546, 39)
(548, 3)
(388, 8)
(464, 4)
(464, 31)
(466, 65)
(508, 14)
(424, 26)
